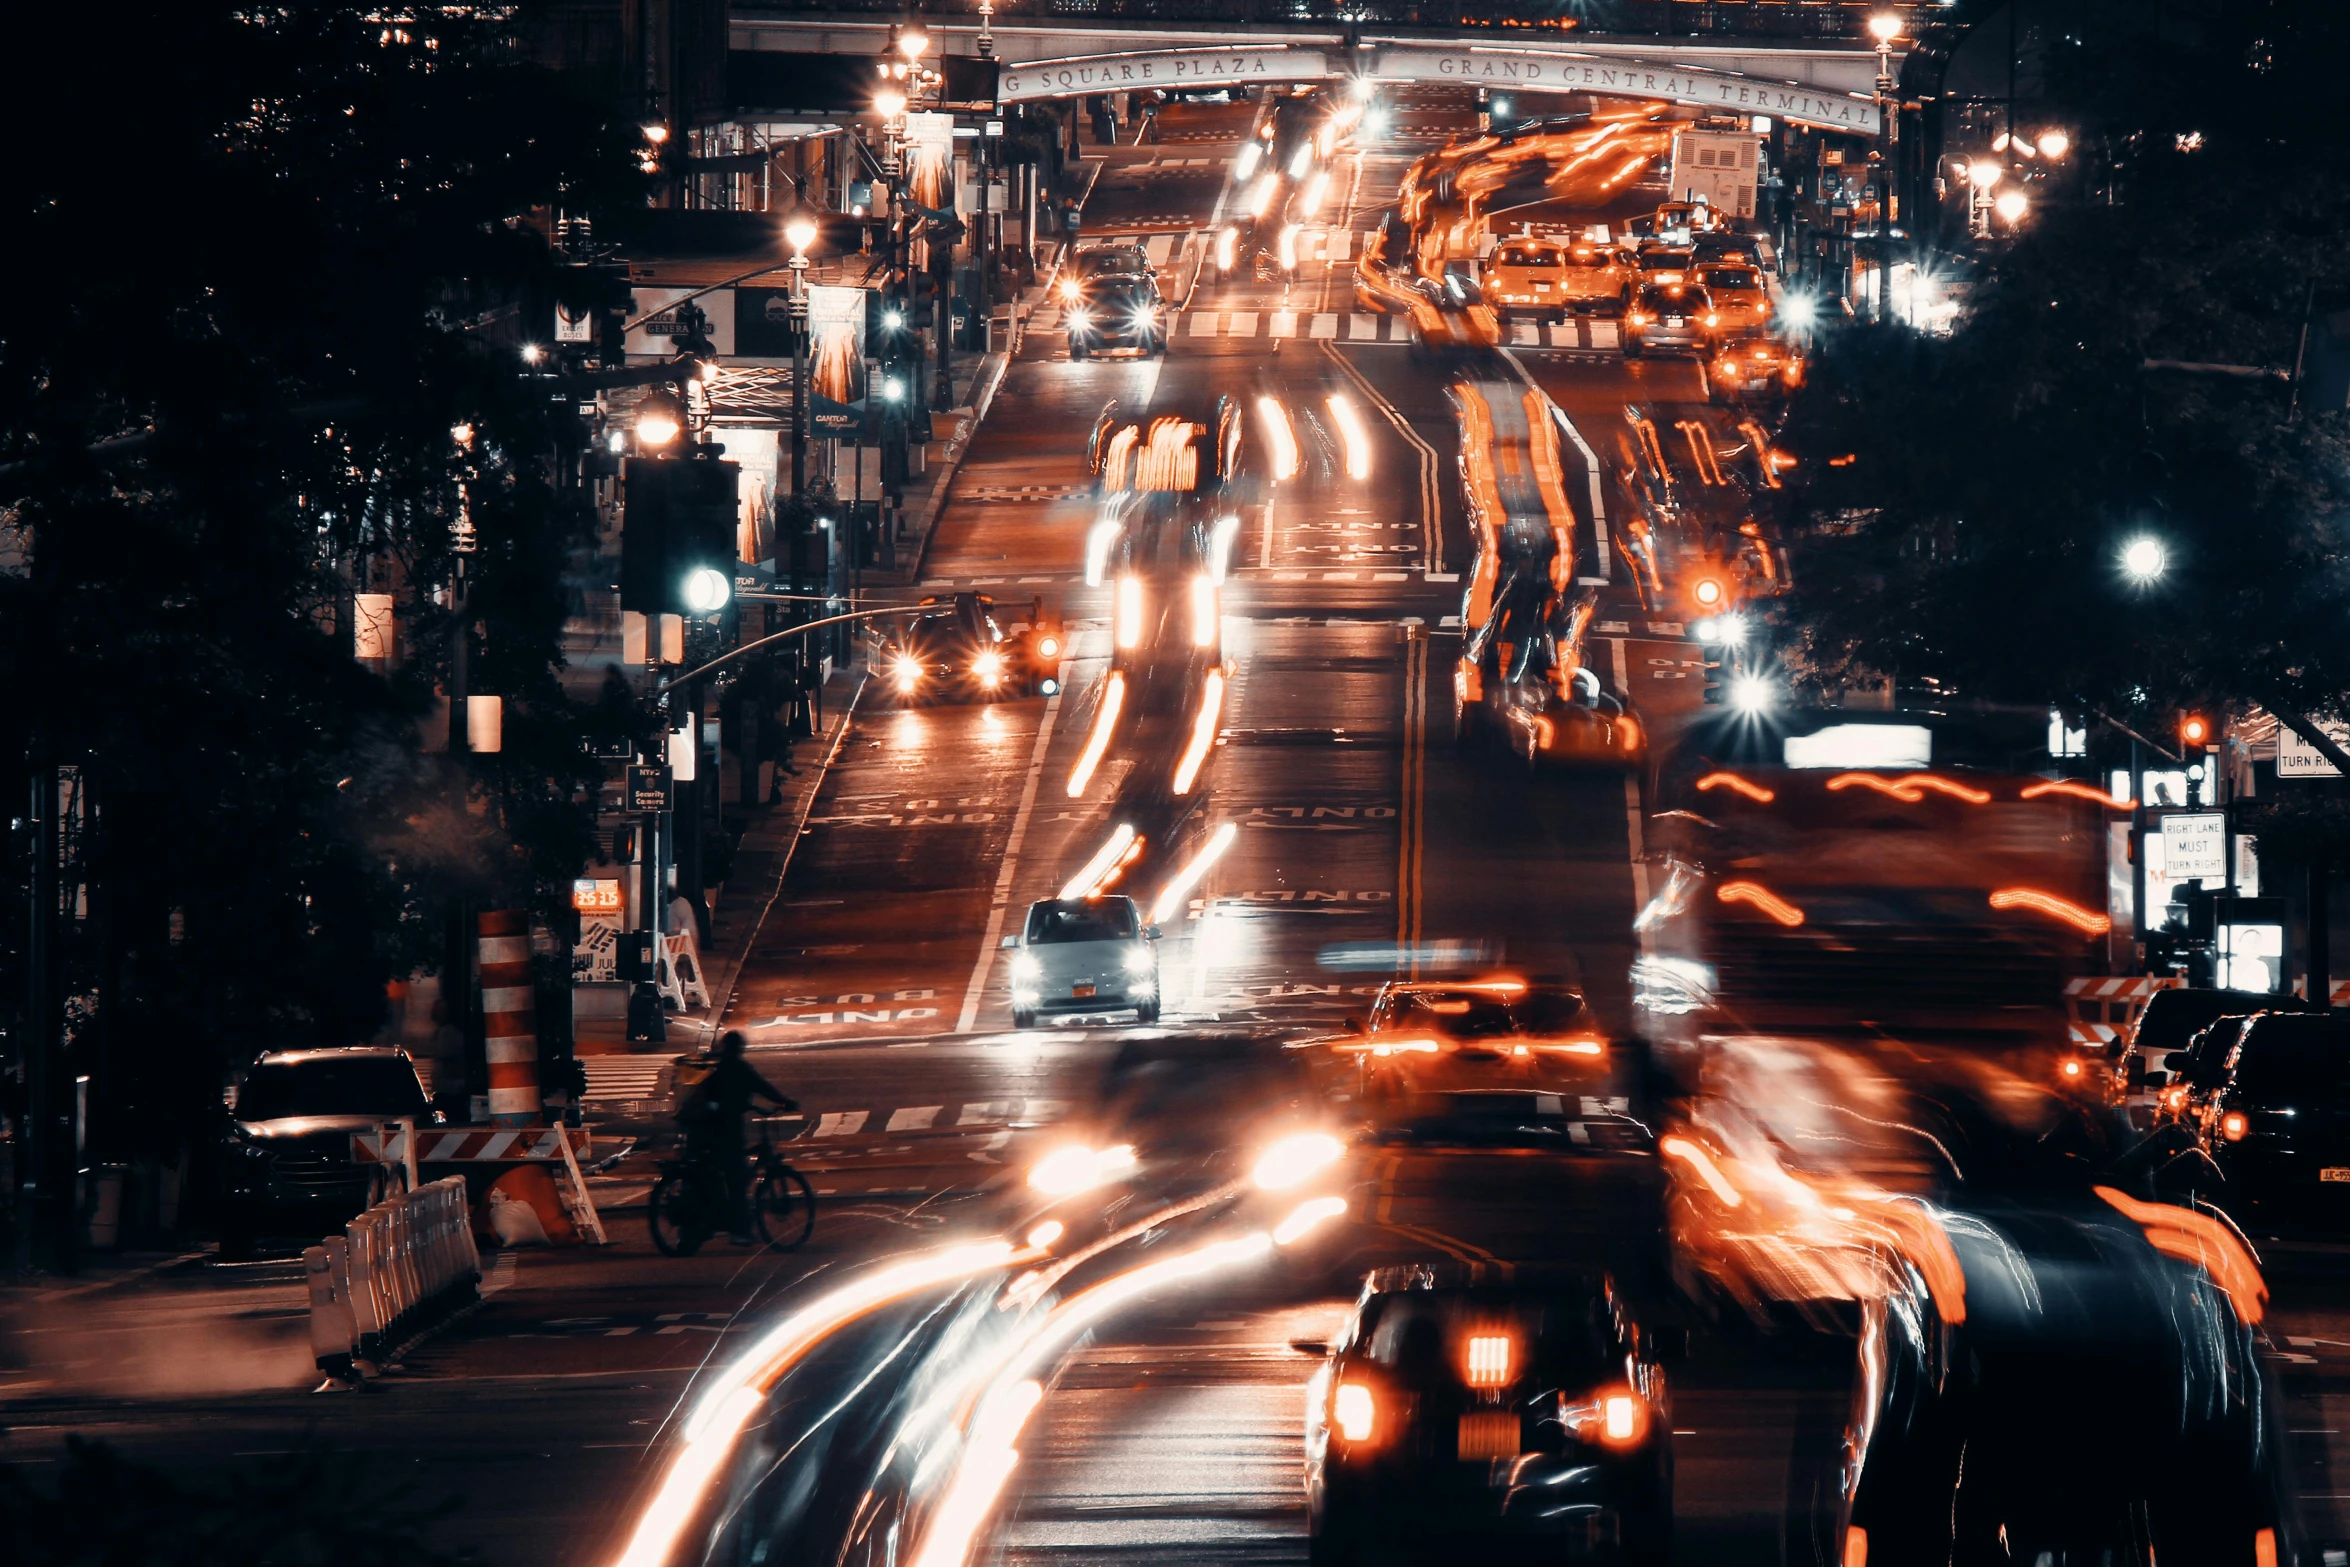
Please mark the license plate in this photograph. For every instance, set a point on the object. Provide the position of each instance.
(2335, 1172)
(1081, 991)
(1672, 320)
(1489, 1434)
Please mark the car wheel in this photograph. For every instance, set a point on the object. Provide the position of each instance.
(1464, 728)
(1631, 348)
(1148, 1012)
(1076, 349)
(1023, 1018)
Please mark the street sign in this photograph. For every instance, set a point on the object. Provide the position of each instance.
(2195, 846)
(2297, 758)
(650, 789)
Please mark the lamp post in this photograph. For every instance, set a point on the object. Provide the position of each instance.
(799, 231)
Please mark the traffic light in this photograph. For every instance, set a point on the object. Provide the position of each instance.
(1710, 593)
(2194, 730)
(677, 533)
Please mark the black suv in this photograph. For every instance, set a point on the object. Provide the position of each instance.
(1471, 1406)
(2279, 1127)
(285, 1165)
(1117, 309)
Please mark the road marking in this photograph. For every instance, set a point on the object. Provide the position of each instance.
(1415, 727)
(976, 987)
(840, 1123)
(917, 1119)
(1431, 536)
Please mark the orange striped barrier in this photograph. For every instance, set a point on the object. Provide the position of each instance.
(509, 1021)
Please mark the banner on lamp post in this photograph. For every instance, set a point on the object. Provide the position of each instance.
(930, 158)
(836, 362)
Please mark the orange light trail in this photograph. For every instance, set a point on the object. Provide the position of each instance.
(2201, 1241)
(1113, 698)
(2080, 919)
(1697, 1159)
(2079, 791)
(1763, 898)
(1731, 781)
(1203, 732)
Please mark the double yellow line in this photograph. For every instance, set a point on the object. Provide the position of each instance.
(1411, 816)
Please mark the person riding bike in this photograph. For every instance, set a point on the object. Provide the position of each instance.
(710, 1121)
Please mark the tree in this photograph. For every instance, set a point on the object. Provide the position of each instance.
(261, 352)
(1965, 501)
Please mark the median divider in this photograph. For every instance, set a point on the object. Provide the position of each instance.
(404, 1263)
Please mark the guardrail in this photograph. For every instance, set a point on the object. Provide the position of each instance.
(405, 1261)
(1821, 19)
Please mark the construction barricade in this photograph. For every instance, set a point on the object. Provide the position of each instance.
(396, 1267)
(537, 1165)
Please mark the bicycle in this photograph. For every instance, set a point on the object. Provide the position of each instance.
(689, 1202)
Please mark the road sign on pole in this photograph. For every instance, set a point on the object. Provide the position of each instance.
(2195, 845)
(650, 789)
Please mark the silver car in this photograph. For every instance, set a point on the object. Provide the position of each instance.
(1084, 955)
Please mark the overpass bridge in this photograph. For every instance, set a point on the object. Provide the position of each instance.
(1826, 82)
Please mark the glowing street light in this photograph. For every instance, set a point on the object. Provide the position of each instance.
(799, 232)
(2144, 560)
(889, 103)
(2055, 144)
(1983, 174)
(912, 44)
(1884, 27)
(2011, 205)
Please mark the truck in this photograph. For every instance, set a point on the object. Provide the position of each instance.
(1827, 875)
(1719, 168)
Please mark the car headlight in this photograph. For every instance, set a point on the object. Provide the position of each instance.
(1025, 966)
(1146, 315)
(1080, 318)
(1296, 1159)
(1138, 959)
(1076, 1169)
(906, 671)
(989, 667)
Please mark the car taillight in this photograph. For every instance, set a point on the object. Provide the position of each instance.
(1353, 1411)
(1617, 1418)
(2233, 1126)
(2071, 1069)
(1637, 319)
(1711, 319)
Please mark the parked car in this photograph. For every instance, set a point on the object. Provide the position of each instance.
(284, 1156)
(2278, 1127)
(1467, 1409)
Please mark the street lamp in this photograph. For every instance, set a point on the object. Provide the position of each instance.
(2054, 144)
(657, 421)
(2144, 560)
(2011, 205)
(912, 44)
(799, 232)
(1982, 174)
(889, 103)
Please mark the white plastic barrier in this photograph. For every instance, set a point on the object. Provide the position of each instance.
(409, 1257)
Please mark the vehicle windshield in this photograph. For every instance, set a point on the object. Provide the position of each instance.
(2173, 1017)
(1666, 260)
(1672, 301)
(1731, 277)
(1104, 919)
(1118, 290)
(1102, 263)
(2293, 1057)
(1424, 1335)
(1529, 256)
(383, 1086)
(1591, 258)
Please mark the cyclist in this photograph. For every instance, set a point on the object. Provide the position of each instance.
(710, 1120)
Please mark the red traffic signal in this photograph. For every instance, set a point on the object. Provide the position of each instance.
(1710, 593)
(2193, 730)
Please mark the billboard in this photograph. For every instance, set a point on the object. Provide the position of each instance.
(836, 361)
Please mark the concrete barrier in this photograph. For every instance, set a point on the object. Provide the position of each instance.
(396, 1267)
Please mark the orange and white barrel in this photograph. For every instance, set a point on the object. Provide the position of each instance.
(510, 1033)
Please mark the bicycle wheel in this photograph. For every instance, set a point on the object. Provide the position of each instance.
(783, 1205)
(674, 1214)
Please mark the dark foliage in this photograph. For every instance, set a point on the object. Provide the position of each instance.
(286, 266)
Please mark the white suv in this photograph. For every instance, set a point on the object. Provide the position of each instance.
(1084, 955)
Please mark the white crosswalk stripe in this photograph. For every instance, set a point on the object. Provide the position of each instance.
(623, 1077)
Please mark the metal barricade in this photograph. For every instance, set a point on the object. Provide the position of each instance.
(396, 1266)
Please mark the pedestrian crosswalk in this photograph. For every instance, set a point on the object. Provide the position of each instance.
(624, 1077)
(976, 1115)
(1360, 327)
